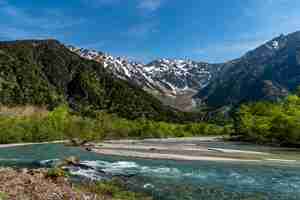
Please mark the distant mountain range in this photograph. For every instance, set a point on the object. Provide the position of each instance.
(269, 72)
(174, 82)
(46, 72)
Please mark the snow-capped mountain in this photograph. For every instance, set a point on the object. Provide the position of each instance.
(121, 67)
(179, 76)
(269, 72)
(173, 81)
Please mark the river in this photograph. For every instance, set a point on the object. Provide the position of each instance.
(173, 180)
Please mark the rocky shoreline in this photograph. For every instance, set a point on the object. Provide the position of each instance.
(36, 184)
(193, 149)
(54, 184)
(28, 144)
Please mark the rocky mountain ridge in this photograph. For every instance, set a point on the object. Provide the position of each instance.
(268, 72)
(172, 81)
(46, 73)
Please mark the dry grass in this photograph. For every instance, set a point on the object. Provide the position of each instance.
(39, 184)
(33, 185)
(22, 111)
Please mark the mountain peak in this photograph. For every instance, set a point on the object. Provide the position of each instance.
(163, 77)
(267, 72)
(246, 78)
(44, 72)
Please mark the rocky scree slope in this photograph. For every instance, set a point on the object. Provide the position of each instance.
(269, 72)
(174, 82)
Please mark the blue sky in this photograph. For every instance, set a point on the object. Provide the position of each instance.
(203, 30)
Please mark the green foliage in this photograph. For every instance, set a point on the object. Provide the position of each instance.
(298, 91)
(114, 190)
(59, 124)
(143, 128)
(265, 122)
(47, 73)
(55, 173)
(3, 196)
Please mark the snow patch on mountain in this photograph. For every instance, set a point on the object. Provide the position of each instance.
(169, 77)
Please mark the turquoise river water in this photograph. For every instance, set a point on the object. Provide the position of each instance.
(173, 180)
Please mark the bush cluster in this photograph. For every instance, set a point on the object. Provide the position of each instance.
(274, 123)
(60, 124)
(115, 190)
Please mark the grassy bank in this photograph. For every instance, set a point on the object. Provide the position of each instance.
(40, 125)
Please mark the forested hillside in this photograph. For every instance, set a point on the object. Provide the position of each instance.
(273, 123)
(269, 72)
(46, 73)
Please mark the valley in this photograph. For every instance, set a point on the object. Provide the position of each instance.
(174, 82)
(150, 100)
(175, 179)
(268, 72)
(171, 129)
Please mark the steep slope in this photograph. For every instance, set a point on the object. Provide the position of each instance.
(46, 72)
(268, 72)
(174, 82)
(180, 80)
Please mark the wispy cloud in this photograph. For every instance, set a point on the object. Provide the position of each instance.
(149, 5)
(227, 50)
(23, 23)
(142, 30)
(94, 45)
(100, 3)
(234, 47)
(282, 17)
(50, 19)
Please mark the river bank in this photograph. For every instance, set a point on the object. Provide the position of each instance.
(186, 139)
(43, 184)
(28, 144)
(192, 149)
(165, 179)
(213, 148)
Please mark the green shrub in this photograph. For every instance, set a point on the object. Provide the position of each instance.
(114, 190)
(3, 196)
(265, 122)
(59, 124)
(55, 173)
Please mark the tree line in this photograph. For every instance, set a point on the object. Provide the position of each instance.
(276, 123)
